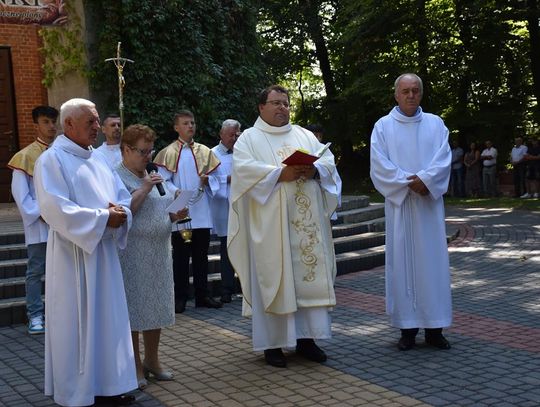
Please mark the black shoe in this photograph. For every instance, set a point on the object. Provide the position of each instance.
(120, 400)
(308, 349)
(275, 357)
(406, 343)
(226, 298)
(439, 341)
(207, 302)
(180, 307)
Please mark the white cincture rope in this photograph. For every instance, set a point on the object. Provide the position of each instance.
(78, 271)
(410, 272)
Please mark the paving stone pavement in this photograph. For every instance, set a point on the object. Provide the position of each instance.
(494, 360)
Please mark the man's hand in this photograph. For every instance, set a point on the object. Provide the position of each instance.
(291, 173)
(117, 216)
(204, 180)
(417, 185)
(181, 214)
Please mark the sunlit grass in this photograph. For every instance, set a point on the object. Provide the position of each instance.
(364, 188)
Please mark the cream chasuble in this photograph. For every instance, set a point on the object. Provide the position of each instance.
(417, 269)
(88, 348)
(281, 231)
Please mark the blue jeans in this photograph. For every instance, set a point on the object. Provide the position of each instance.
(227, 273)
(34, 272)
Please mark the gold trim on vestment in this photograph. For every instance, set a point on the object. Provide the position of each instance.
(307, 230)
(25, 159)
(205, 160)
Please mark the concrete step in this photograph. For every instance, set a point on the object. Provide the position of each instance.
(349, 202)
(358, 260)
(373, 211)
(15, 287)
(357, 242)
(11, 235)
(12, 311)
(13, 268)
(346, 229)
(13, 251)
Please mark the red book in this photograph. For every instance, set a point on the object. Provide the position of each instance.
(300, 157)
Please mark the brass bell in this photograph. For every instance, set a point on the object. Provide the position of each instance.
(186, 235)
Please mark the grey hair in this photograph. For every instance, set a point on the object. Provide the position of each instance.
(72, 107)
(230, 123)
(411, 75)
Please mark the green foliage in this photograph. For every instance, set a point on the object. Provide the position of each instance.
(198, 55)
(474, 58)
(63, 48)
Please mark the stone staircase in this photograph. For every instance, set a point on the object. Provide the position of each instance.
(358, 239)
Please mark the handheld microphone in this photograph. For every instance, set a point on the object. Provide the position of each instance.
(151, 167)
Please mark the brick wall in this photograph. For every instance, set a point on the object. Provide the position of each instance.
(26, 60)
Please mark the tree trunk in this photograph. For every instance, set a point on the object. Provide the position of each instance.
(464, 23)
(310, 10)
(533, 20)
(423, 51)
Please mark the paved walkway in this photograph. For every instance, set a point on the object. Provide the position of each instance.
(494, 360)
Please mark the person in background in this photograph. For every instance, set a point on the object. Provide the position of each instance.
(35, 229)
(111, 146)
(88, 350)
(532, 159)
(489, 171)
(410, 167)
(186, 165)
(146, 261)
(456, 175)
(472, 171)
(219, 203)
(279, 236)
(517, 159)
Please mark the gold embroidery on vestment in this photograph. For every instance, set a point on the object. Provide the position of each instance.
(307, 229)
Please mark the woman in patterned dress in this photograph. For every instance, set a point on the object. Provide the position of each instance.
(147, 261)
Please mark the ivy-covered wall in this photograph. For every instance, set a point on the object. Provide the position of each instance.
(200, 55)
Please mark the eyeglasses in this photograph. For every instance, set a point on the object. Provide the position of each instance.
(142, 153)
(278, 103)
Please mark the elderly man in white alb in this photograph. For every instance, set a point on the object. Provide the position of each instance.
(410, 167)
(111, 146)
(88, 349)
(279, 236)
(219, 203)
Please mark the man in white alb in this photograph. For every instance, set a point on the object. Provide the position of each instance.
(88, 348)
(410, 167)
(111, 146)
(279, 236)
(219, 203)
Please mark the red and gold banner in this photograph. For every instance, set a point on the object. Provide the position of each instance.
(41, 12)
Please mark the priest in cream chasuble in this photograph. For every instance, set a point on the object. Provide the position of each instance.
(279, 236)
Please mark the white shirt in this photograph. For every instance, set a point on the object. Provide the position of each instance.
(219, 203)
(112, 154)
(187, 178)
(492, 152)
(518, 153)
(23, 191)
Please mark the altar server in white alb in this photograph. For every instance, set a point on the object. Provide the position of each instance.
(279, 236)
(35, 229)
(88, 349)
(111, 146)
(410, 167)
(219, 204)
